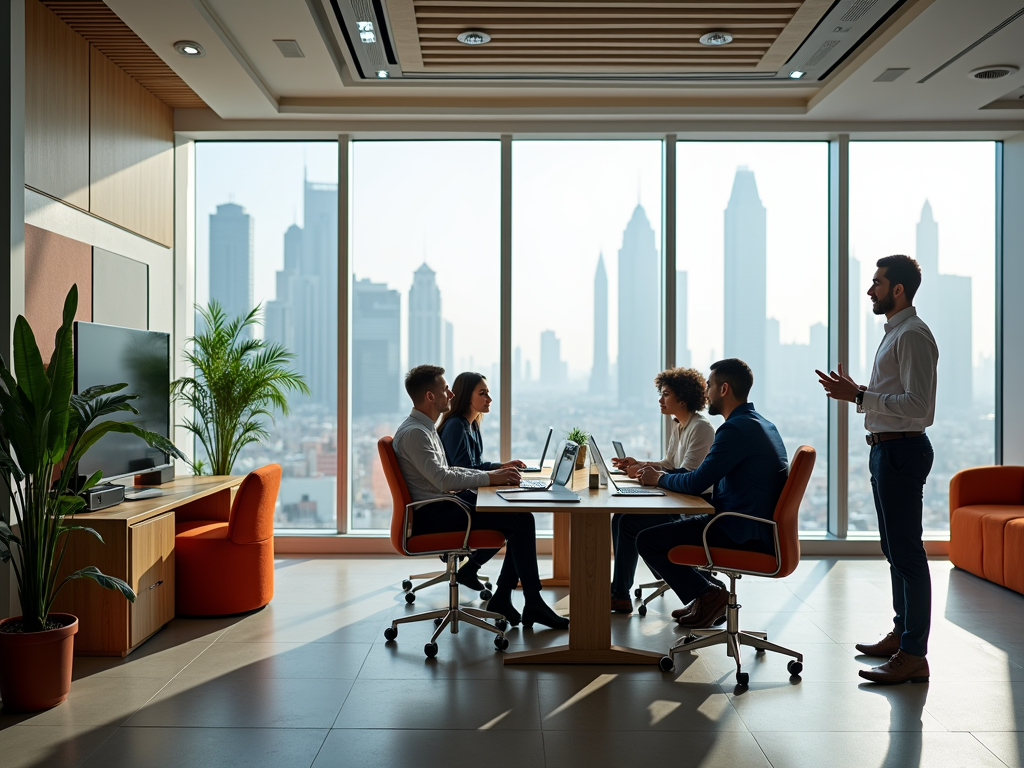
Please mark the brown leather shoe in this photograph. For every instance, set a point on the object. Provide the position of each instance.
(622, 605)
(885, 647)
(708, 608)
(902, 667)
(686, 610)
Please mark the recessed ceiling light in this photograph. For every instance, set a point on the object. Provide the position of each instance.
(474, 37)
(716, 38)
(383, 74)
(993, 72)
(189, 48)
(796, 74)
(366, 31)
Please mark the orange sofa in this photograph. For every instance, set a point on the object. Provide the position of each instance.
(986, 524)
(224, 558)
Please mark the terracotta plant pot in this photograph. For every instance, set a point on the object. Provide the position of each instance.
(35, 667)
(581, 457)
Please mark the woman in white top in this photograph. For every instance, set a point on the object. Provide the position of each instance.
(683, 395)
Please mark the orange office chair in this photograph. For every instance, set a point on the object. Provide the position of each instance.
(454, 546)
(735, 562)
(226, 565)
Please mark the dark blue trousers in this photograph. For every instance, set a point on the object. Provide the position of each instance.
(625, 529)
(899, 469)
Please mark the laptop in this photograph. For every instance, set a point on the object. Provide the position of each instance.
(628, 490)
(561, 473)
(543, 455)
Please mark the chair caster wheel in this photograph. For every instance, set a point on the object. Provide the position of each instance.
(485, 595)
(430, 649)
(501, 624)
(742, 678)
(437, 623)
(410, 597)
(689, 639)
(488, 585)
(390, 633)
(642, 610)
(759, 652)
(638, 592)
(406, 585)
(527, 625)
(795, 668)
(500, 643)
(665, 664)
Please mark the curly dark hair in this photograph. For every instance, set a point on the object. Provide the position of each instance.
(687, 384)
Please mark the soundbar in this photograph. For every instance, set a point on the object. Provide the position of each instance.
(102, 496)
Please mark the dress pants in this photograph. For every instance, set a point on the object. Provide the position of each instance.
(899, 469)
(687, 582)
(520, 563)
(625, 529)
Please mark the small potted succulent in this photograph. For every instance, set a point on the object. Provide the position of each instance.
(45, 429)
(580, 437)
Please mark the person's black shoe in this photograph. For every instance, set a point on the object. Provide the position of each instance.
(503, 605)
(467, 577)
(541, 613)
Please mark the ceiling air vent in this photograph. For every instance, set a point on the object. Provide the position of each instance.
(993, 73)
(859, 8)
(821, 53)
(891, 74)
(289, 49)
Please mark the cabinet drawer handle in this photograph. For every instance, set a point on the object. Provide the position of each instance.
(154, 586)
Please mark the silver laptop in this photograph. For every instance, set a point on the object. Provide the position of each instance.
(629, 490)
(561, 473)
(543, 455)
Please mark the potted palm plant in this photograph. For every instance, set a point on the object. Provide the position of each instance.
(45, 429)
(579, 436)
(237, 380)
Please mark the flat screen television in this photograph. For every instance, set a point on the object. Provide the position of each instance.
(107, 354)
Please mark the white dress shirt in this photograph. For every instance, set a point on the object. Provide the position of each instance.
(689, 443)
(901, 393)
(424, 466)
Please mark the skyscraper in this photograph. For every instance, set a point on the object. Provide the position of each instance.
(424, 318)
(552, 368)
(231, 231)
(746, 275)
(449, 349)
(376, 329)
(682, 327)
(639, 356)
(599, 372)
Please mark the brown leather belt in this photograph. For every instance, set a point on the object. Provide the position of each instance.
(880, 437)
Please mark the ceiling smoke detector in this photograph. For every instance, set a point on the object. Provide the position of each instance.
(994, 72)
(473, 37)
(716, 38)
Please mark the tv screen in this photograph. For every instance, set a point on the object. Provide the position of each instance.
(107, 354)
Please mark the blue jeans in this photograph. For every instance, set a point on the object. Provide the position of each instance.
(899, 469)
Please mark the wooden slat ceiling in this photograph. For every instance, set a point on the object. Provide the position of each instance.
(601, 36)
(101, 27)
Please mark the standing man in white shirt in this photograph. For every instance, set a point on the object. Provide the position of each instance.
(898, 404)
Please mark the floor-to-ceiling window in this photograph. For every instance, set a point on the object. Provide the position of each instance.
(425, 265)
(267, 236)
(586, 294)
(934, 201)
(752, 282)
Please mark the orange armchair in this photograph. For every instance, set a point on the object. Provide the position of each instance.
(735, 563)
(986, 523)
(225, 566)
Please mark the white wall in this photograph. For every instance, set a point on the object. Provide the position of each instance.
(1012, 306)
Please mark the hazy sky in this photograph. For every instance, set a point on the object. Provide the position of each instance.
(439, 202)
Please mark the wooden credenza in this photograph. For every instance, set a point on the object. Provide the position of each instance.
(138, 547)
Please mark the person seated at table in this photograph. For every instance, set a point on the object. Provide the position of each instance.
(464, 447)
(682, 395)
(748, 467)
(428, 475)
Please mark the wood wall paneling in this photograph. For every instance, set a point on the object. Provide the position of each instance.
(53, 263)
(56, 107)
(132, 153)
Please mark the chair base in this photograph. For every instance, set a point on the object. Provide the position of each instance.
(439, 577)
(454, 614)
(659, 587)
(733, 639)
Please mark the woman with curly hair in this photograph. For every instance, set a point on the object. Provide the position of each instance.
(682, 395)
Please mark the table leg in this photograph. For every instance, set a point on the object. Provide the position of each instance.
(559, 553)
(590, 617)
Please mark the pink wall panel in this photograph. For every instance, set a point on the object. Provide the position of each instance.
(54, 263)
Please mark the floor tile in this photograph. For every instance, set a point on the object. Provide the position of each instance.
(297, 660)
(430, 749)
(148, 661)
(868, 750)
(245, 703)
(221, 747)
(977, 706)
(823, 662)
(1008, 746)
(96, 701)
(615, 749)
(53, 746)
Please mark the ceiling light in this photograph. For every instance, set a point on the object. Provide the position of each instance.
(716, 38)
(366, 31)
(383, 74)
(474, 37)
(796, 74)
(189, 48)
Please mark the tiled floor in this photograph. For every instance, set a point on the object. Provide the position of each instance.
(309, 681)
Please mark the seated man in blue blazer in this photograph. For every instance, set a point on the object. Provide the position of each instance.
(747, 466)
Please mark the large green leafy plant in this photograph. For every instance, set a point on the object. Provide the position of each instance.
(237, 380)
(45, 429)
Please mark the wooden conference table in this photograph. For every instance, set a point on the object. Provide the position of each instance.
(590, 569)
